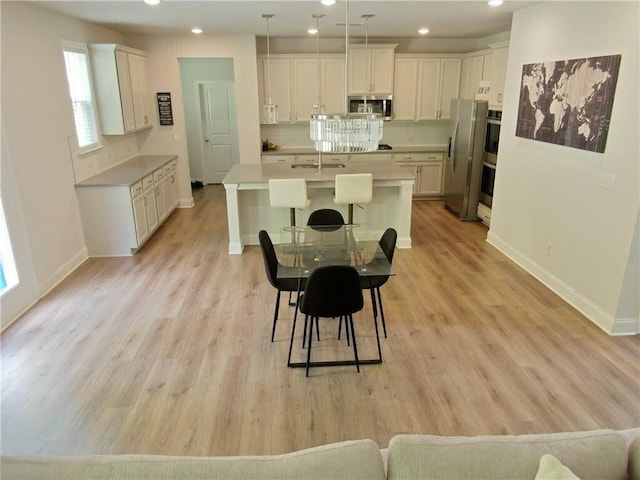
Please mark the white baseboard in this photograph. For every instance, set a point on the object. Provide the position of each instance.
(186, 203)
(63, 272)
(607, 322)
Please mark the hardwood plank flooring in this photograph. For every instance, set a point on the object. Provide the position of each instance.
(169, 352)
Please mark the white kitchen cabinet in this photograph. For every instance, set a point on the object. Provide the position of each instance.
(139, 213)
(371, 68)
(425, 86)
(120, 211)
(294, 84)
(161, 198)
(405, 91)
(171, 186)
(121, 87)
(278, 159)
(279, 71)
(476, 66)
(150, 202)
(428, 169)
(332, 83)
(305, 87)
(370, 157)
(498, 74)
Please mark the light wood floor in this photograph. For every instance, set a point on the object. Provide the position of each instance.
(168, 352)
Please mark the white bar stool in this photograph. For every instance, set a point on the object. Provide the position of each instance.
(290, 193)
(353, 188)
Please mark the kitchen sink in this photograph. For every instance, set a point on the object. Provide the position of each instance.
(313, 165)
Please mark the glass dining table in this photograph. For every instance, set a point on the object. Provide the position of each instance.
(302, 249)
(305, 248)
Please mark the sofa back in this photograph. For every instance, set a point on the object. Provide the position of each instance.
(595, 455)
(359, 459)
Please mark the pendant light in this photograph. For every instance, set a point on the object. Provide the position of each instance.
(345, 132)
(317, 107)
(269, 110)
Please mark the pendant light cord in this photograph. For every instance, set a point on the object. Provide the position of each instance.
(346, 56)
(268, 62)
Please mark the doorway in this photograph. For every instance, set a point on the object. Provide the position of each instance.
(219, 132)
(208, 90)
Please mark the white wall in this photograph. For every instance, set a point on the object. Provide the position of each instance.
(548, 193)
(164, 72)
(43, 216)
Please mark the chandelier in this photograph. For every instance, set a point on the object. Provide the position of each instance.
(345, 132)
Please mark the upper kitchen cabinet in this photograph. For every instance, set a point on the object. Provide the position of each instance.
(276, 75)
(498, 74)
(424, 86)
(294, 84)
(476, 66)
(122, 88)
(371, 69)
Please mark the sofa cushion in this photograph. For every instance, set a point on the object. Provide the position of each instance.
(345, 460)
(551, 469)
(596, 455)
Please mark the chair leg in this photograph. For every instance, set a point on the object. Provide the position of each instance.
(275, 315)
(384, 325)
(353, 339)
(293, 333)
(375, 324)
(317, 329)
(304, 330)
(309, 347)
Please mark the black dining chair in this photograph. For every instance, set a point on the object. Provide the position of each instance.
(388, 245)
(325, 217)
(331, 292)
(281, 284)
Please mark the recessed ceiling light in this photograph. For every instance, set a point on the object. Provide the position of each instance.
(327, 2)
(196, 30)
(423, 31)
(312, 31)
(152, 2)
(495, 3)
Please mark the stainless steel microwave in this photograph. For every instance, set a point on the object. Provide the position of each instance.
(382, 104)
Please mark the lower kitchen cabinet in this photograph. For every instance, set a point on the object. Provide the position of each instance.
(428, 169)
(117, 216)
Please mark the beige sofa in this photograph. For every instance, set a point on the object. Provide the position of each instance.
(597, 455)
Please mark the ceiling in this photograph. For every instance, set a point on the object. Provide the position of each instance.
(292, 18)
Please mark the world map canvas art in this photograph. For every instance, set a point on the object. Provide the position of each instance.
(568, 102)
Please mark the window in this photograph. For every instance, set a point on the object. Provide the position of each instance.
(8, 274)
(76, 59)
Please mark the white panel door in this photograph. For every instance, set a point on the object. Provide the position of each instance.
(220, 130)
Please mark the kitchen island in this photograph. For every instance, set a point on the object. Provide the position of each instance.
(248, 209)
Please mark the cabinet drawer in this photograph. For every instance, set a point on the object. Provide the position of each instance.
(136, 189)
(371, 157)
(147, 182)
(278, 158)
(169, 167)
(157, 175)
(435, 157)
(333, 158)
(410, 157)
(311, 158)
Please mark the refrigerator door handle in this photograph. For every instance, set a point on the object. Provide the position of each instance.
(452, 148)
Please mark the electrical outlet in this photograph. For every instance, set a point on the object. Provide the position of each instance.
(549, 247)
(606, 181)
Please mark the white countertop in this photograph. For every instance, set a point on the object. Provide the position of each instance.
(395, 149)
(129, 172)
(261, 173)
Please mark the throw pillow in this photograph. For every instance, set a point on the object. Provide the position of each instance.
(551, 469)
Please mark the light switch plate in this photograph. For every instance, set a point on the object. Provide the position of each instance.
(606, 181)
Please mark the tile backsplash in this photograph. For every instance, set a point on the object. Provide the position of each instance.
(296, 135)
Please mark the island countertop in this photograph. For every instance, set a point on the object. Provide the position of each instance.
(261, 173)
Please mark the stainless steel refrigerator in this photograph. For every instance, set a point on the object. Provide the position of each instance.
(465, 154)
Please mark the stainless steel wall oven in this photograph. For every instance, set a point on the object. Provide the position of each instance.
(492, 137)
